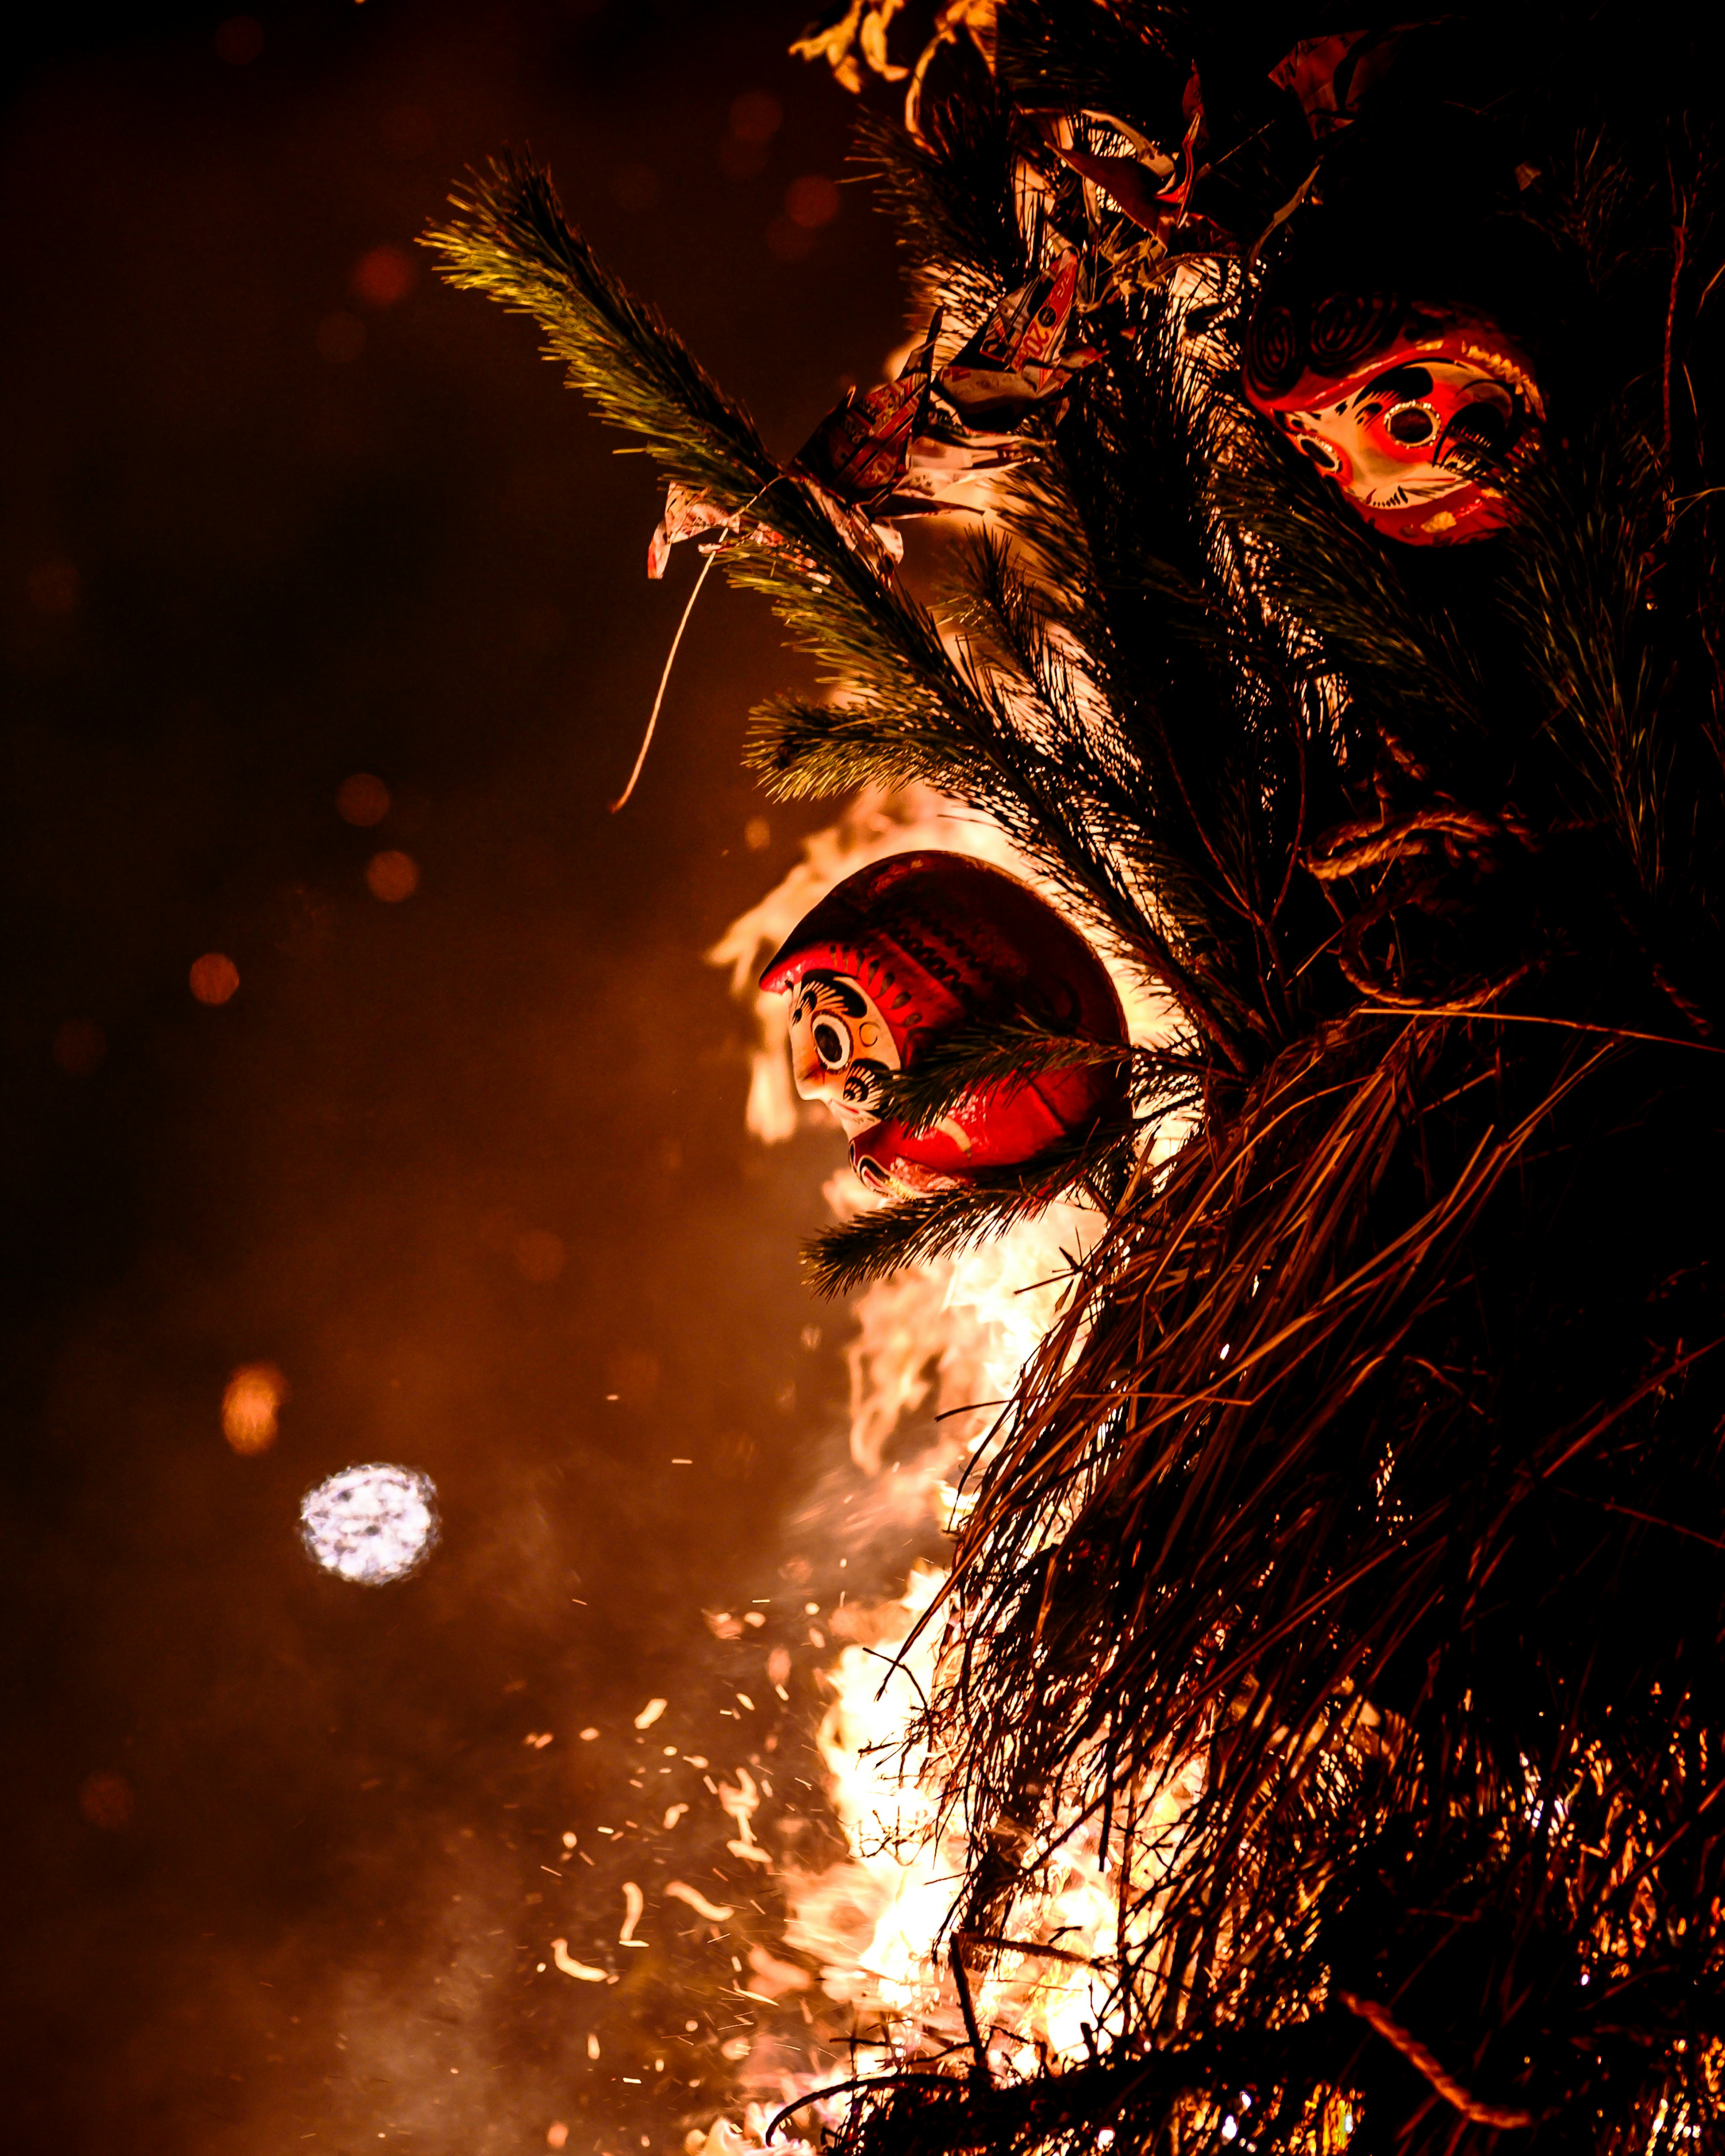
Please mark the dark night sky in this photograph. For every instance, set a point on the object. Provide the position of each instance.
(261, 532)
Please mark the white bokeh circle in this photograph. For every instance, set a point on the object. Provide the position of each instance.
(370, 1524)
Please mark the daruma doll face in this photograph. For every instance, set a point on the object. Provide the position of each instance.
(1415, 414)
(899, 957)
(1419, 431)
(841, 1047)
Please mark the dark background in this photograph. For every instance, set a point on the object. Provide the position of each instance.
(270, 520)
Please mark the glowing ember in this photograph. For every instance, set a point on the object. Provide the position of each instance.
(715, 1912)
(579, 1970)
(371, 1524)
(383, 276)
(251, 1406)
(393, 876)
(214, 978)
(363, 799)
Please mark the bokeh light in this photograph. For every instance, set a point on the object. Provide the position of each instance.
(363, 799)
(372, 1524)
(239, 40)
(79, 1046)
(105, 1800)
(391, 877)
(756, 116)
(214, 978)
(251, 1407)
(382, 276)
(812, 201)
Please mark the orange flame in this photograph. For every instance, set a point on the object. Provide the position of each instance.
(959, 1331)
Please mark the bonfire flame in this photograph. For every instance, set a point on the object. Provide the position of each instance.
(957, 1332)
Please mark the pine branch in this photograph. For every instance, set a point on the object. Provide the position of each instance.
(1580, 589)
(802, 751)
(915, 1231)
(1289, 1451)
(1347, 589)
(910, 712)
(1371, 1470)
(950, 192)
(949, 1071)
(1066, 55)
(1199, 738)
(509, 239)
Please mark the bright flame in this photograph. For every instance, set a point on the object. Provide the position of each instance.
(957, 1335)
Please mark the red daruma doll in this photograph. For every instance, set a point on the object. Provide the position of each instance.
(1417, 411)
(1397, 341)
(916, 947)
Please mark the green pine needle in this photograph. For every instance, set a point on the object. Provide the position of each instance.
(917, 1231)
(508, 238)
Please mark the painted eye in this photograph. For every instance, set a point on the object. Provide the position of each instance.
(1320, 452)
(1481, 427)
(1409, 423)
(832, 1044)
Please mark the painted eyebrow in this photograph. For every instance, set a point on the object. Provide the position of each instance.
(1398, 380)
(850, 1000)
